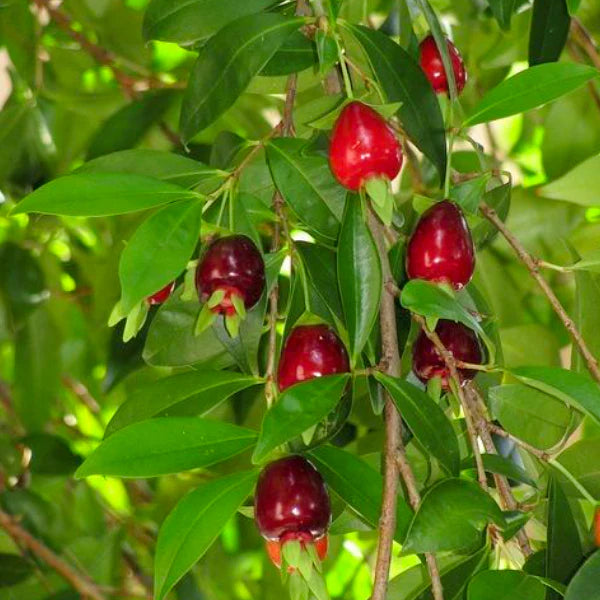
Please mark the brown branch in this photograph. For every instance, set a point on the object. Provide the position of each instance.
(396, 462)
(533, 267)
(585, 41)
(80, 582)
(81, 392)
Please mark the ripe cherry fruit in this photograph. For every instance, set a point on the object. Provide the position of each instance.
(291, 506)
(431, 63)
(441, 248)
(162, 295)
(311, 351)
(459, 340)
(363, 146)
(230, 278)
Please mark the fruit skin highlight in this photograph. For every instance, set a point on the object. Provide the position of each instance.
(363, 146)
(441, 247)
(433, 67)
(162, 295)
(459, 340)
(292, 505)
(311, 351)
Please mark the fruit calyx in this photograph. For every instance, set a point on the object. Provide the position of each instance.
(307, 543)
(363, 146)
(433, 66)
(459, 340)
(441, 248)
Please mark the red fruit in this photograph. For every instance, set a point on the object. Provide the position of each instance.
(291, 501)
(432, 65)
(363, 146)
(459, 340)
(162, 295)
(441, 248)
(597, 527)
(232, 265)
(311, 351)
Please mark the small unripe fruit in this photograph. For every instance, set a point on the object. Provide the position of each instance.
(363, 146)
(459, 340)
(441, 248)
(311, 351)
(162, 295)
(431, 63)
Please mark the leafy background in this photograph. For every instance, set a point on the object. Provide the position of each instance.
(103, 96)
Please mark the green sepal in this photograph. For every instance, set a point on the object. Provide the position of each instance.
(431, 322)
(434, 388)
(116, 314)
(232, 324)
(305, 563)
(216, 298)
(135, 320)
(314, 557)
(382, 200)
(238, 304)
(205, 319)
(316, 584)
(190, 291)
(298, 587)
(290, 553)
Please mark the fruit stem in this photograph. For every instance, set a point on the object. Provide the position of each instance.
(344, 68)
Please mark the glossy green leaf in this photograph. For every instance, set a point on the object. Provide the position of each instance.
(573, 6)
(576, 389)
(194, 393)
(451, 517)
(505, 585)
(426, 420)
(549, 31)
(585, 582)
(227, 63)
(530, 415)
(581, 461)
(190, 22)
(403, 81)
(166, 445)
(564, 553)
(578, 185)
(501, 465)
(530, 89)
(499, 199)
(357, 484)
(100, 194)
(297, 409)
(359, 277)
(194, 524)
(503, 11)
(159, 251)
(295, 54)
(14, 569)
(307, 185)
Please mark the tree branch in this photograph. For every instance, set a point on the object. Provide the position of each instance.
(81, 583)
(585, 41)
(396, 462)
(532, 265)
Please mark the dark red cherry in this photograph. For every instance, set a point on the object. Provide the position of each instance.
(232, 265)
(311, 351)
(432, 65)
(461, 341)
(441, 248)
(162, 295)
(291, 501)
(363, 146)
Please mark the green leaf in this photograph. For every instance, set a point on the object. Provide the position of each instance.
(295, 54)
(530, 415)
(194, 393)
(501, 465)
(505, 585)
(190, 22)
(403, 80)
(50, 455)
(581, 461)
(194, 524)
(166, 445)
(125, 128)
(578, 185)
(359, 276)
(100, 195)
(549, 31)
(585, 582)
(357, 484)
(307, 185)
(13, 569)
(451, 517)
(159, 251)
(227, 63)
(499, 199)
(426, 420)
(564, 553)
(530, 89)
(166, 166)
(503, 11)
(470, 193)
(573, 6)
(299, 407)
(576, 389)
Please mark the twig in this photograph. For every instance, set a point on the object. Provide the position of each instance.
(79, 581)
(527, 447)
(585, 41)
(574, 51)
(533, 267)
(81, 392)
(395, 454)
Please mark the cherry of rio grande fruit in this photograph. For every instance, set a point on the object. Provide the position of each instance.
(363, 146)
(433, 67)
(162, 295)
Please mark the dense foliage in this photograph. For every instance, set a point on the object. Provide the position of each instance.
(209, 262)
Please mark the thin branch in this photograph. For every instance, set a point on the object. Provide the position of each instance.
(81, 392)
(533, 267)
(79, 581)
(585, 41)
(396, 462)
